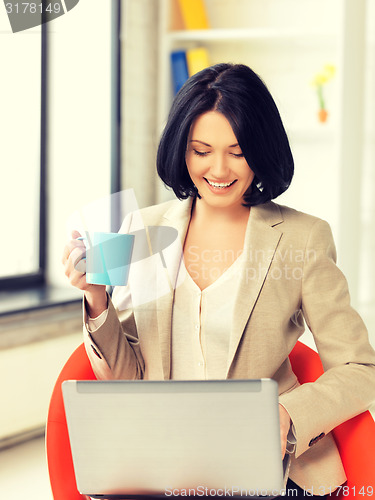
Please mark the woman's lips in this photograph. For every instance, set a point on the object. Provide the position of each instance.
(220, 186)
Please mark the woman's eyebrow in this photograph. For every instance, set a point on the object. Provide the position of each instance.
(209, 145)
(201, 142)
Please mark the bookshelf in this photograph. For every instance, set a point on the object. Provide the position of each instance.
(244, 34)
(254, 33)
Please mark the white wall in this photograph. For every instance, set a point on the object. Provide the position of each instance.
(367, 240)
(139, 98)
(27, 376)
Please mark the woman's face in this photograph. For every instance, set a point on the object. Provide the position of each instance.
(215, 162)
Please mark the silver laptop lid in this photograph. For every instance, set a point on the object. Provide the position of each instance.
(149, 438)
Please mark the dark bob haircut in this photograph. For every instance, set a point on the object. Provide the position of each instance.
(241, 96)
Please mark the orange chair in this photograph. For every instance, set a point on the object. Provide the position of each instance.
(59, 456)
(355, 438)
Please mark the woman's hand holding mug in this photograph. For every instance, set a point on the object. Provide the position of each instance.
(73, 259)
(284, 428)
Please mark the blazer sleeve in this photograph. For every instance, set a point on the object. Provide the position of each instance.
(113, 349)
(347, 387)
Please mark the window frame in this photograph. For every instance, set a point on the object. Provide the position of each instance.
(22, 281)
(116, 118)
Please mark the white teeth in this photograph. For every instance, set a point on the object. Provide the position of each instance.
(219, 185)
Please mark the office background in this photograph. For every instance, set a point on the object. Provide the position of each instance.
(82, 117)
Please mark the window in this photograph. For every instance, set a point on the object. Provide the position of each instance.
(81, 158)
(22, 155)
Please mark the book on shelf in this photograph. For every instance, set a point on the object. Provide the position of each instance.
(197, 59)
(179, 68)
(185, 63)
(194, 14)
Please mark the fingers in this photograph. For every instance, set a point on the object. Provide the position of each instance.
(74, 262)
(72, 244)
(283, 445)
(79, 281)
(80, 266)
(284, 428)
(76, 234)
(69, 247)
(75, 257)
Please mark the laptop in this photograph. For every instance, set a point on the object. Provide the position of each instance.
(159, 439)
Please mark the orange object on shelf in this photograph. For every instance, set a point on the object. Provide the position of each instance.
(322, 115)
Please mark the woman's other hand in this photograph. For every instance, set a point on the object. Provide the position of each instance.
(284, 428)
(74, 262)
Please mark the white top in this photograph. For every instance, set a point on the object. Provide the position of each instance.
(201, 325)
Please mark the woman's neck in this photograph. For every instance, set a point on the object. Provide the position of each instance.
(208, 214)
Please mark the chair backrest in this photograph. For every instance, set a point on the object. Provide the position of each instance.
(59, 456)
(355, 438)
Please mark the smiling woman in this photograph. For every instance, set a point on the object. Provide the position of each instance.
(245, 276)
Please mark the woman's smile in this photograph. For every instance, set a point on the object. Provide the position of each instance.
(220, 187)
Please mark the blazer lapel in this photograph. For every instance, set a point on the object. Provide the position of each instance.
(261, 241)
(177, 217)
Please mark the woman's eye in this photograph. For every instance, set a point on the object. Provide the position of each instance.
(200, 153)
(238, 155)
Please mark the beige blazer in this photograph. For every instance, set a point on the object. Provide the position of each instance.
(289, 277)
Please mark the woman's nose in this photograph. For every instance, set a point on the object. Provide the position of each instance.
(219, 167)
